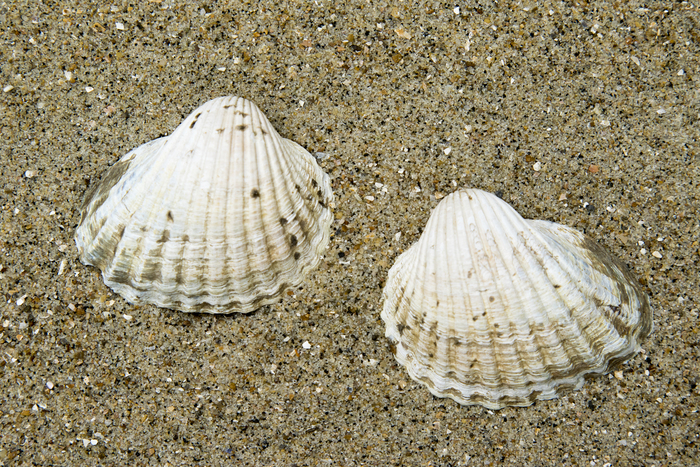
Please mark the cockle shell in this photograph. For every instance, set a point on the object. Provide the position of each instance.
(489, 308)
(221, 216)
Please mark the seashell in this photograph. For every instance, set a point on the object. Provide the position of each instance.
(221, 216)
(489, 308)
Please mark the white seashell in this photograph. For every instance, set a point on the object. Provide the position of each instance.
(489, 308)
(221, 216)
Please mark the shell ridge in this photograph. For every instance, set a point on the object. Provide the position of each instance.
(250, 205)
(521, 370)
(191, 256)
(127, 273)
(216, 255)
(589, 302)
(237, 249)
(101, 213)
(396, 279)
(194, 253)
(577, 341)
(300, 210)
(176, 247)
(228, 268)
(569, 298)
(486, 216)
(412, 315)
(301, 239)
(307, 203)
(451, 350)
(519, 367)
(431, 323)
(407, 311)
(459, 244)
(569, 338)
(622, 292)
(280, 193)
(312, 225)
(150, 264)
(263, 151)
(487, 361)
(454, 219)
(525, 247)
(290, 213)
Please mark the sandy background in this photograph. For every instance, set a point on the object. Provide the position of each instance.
(602, 97)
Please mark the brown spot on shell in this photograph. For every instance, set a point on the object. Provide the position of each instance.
(195, 120)
(170, 216)
(254, 193)
(293, 240)
(151, 272)
(241, 127)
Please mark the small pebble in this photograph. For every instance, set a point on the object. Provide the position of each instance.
(656, 254)
(593, 169)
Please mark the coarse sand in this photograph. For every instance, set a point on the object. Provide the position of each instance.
(584, 113)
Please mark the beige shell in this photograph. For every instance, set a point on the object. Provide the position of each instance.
(219, 217)
(489, 308)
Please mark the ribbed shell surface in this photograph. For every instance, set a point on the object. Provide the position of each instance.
(221, 216)
(489, 308)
